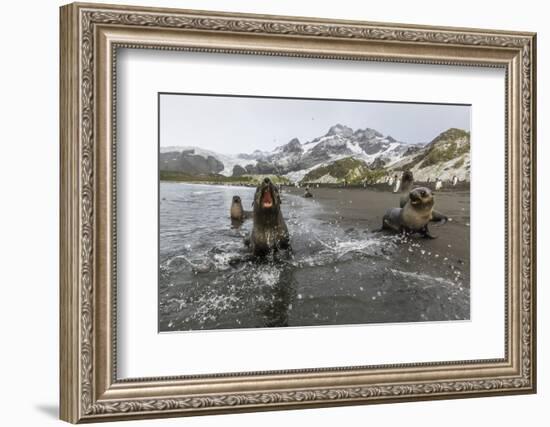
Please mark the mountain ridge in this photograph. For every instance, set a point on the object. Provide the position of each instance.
(445, 156)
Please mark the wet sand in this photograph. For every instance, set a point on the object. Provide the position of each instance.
(363, 208)
(339, 272)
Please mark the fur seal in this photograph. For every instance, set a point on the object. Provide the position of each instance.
(407, 180)
(269, 231)
(237, 212)
(415, 215)
(308, 193)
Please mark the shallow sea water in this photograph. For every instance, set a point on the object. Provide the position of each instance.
(334, 275)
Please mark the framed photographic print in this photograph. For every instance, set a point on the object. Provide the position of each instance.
(265, 212)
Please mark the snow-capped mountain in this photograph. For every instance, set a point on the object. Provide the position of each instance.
(341, 141)
(295, 159)
(195, 161)
(448, 155)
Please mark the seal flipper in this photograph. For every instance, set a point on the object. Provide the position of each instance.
(235, 223)
(390, 221)
(439, 217)
(383, 227)
(285, 248)
(284, 243)
(387, 225)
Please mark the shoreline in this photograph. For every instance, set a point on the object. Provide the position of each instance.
(447, 256)
(340, 271)
(382, 187)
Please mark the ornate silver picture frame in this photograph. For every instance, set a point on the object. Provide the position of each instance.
(91, 36)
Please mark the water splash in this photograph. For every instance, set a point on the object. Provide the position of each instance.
(208, 279)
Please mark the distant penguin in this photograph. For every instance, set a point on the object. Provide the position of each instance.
(397, 185)
(438, 184)
(455, 180)
(390, 181)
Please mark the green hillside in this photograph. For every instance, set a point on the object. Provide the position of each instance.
(348, 169)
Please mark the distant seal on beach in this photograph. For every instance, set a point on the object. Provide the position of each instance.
(308, 193)
(237, 212)
(407, 180)
(415, 215)
(269, 231)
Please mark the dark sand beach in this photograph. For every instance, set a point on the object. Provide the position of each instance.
(363, 209)
(340, 271)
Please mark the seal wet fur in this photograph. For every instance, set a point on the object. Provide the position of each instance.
(237, 212)
(415, 215)
(269, 231)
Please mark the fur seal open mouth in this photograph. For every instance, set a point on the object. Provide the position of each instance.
(415, 198)
(269, 231)
(267, 199)
(420, 196)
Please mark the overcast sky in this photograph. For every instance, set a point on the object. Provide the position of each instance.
(233, 125)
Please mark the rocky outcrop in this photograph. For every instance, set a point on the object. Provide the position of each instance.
(238, 170)
(190, 163)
